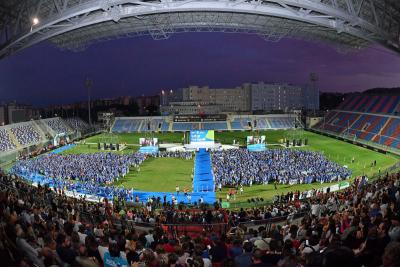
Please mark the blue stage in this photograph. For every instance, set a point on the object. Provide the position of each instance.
(148, 149)
(203, 184)
(256, 147)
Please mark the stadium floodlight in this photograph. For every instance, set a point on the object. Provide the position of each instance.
(35, 21)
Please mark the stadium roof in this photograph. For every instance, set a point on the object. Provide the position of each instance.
(75, 24)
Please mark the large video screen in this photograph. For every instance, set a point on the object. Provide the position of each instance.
(253, 140)
(148, 141)
(202, 138)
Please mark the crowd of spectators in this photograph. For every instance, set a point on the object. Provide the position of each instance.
(87, 174)
(359, 226)
(5, 141)
(99, 168)
(236, 167)
(78, 124)
(57, 125)
(26, 134)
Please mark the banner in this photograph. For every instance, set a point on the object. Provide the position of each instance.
(202, 138)
(199, 118)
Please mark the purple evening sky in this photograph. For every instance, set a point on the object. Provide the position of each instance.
(43, 74)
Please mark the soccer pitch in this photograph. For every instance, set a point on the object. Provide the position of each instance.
(163, 174)
(91, 148)
(160, 175)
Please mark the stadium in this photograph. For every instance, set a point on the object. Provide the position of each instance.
(256, 175)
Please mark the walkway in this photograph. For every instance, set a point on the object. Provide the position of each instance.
(203, 177)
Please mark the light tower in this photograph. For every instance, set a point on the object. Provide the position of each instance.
(88, 85)
(314, 94)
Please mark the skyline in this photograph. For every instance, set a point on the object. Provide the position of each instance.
(137, 66)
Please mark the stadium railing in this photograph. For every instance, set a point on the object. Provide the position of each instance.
(176, 230)
(268, 222)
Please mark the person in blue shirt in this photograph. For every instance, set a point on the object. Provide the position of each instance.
(112, 258)
(244, 260)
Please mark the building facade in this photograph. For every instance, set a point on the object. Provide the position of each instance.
(269, 97)
(311, 97)
(189, 107)
(210, 100)
(145, 103)
(249, 97)
(15, 112)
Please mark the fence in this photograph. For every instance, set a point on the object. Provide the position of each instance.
(268, 222)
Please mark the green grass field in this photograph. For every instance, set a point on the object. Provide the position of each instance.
(272, 136)
(163, 174)
(160, 175)
(335, 150)
(133, 138)
(89, 148)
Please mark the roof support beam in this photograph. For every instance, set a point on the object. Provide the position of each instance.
(65, 17)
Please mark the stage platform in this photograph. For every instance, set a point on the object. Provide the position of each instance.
(148, 149)
(256, 147)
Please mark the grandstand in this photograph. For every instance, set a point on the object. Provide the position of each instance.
(214, 202)
(32, 135)
(26, 133)
(5, 141)
(77, 124)
(308, 180)
(383, 104)
(57, 126)
(368, 119)
(233, 122)
(296, 224)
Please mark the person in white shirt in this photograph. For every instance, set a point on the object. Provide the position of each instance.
(149, 238)
(316, 209)
(81, 234)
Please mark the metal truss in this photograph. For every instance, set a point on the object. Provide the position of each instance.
(74, 24)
